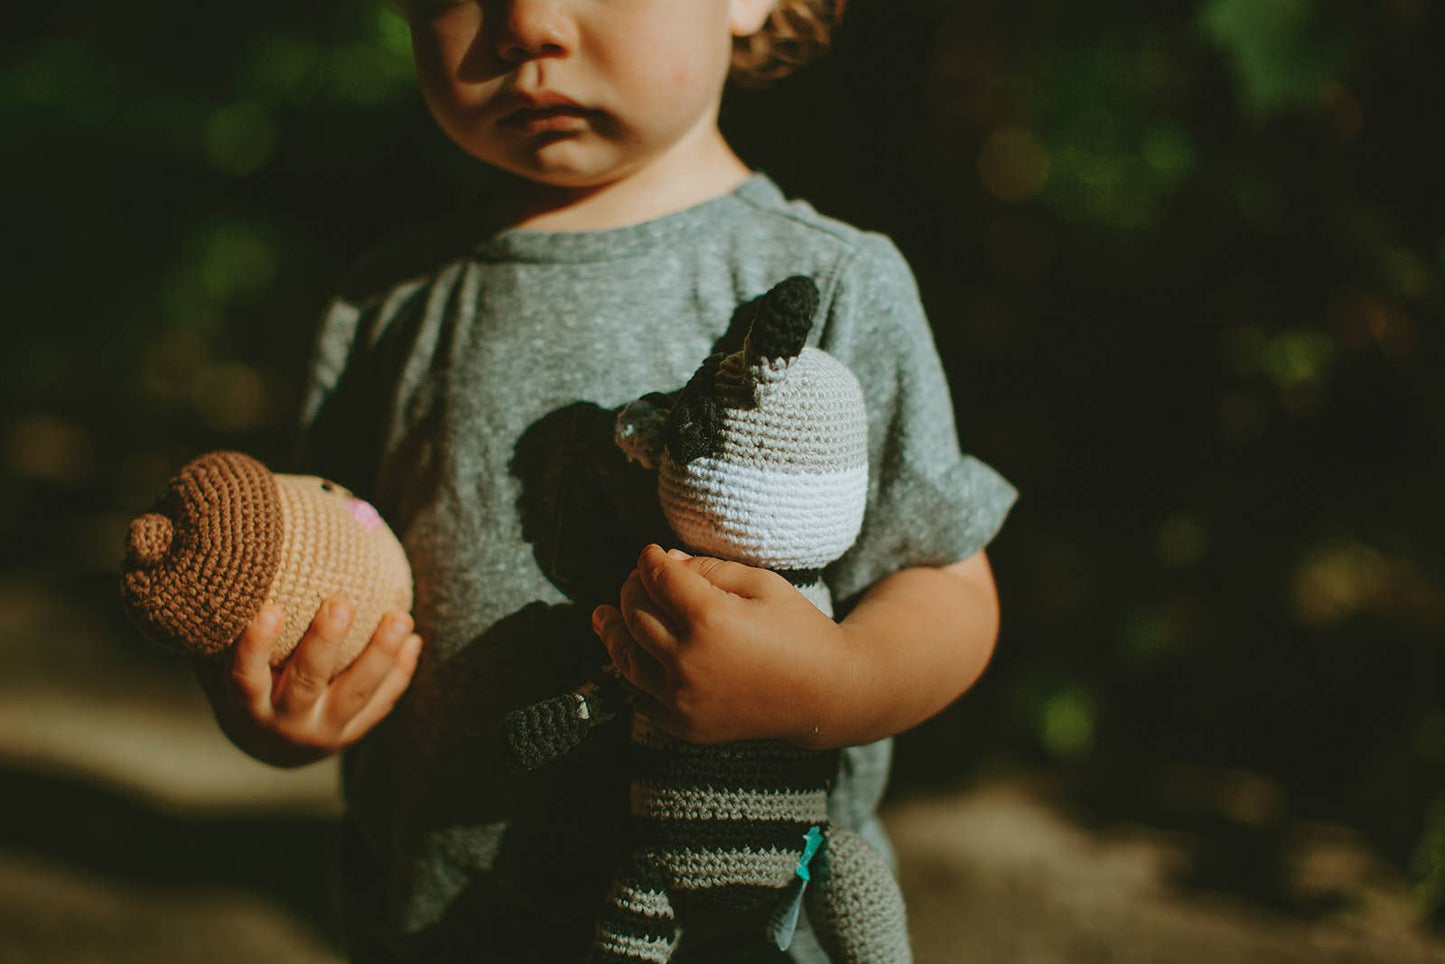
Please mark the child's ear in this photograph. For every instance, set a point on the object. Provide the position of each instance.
(748, 16)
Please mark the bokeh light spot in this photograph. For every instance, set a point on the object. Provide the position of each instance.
(47, 448)
(1068, 723)
(229, 397)
(1181, 542)
(1169, 152)
(240, 139)
(1336, 582)
(237, 258)
(1013, 165)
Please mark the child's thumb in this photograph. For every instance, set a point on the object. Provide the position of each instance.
(733, 577)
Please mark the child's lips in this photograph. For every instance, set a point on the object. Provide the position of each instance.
(544, 110)
(562, 117)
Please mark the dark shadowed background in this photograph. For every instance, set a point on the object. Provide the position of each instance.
(1185, 263)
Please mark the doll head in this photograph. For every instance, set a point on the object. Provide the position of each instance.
(762, 458)
(227, 536)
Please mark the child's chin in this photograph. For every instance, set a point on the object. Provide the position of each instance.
(569, 165)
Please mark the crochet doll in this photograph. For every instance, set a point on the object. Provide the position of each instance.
(761, 459)
(227, 536)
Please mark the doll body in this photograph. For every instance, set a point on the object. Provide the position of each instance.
(740, 831)
(227, 537)
(761, 459)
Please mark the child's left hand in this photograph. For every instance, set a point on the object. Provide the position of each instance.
(722, 651)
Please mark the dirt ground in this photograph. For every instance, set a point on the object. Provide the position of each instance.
(133, 832)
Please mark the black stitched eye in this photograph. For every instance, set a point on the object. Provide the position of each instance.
(327, 487)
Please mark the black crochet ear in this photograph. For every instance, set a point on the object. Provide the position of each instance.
(782, 319)
(694, 426)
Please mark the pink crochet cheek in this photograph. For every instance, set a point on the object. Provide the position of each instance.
(363, 512)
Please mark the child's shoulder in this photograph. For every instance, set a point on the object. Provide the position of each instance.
(865, 281)
(409, 255)
(795, 222)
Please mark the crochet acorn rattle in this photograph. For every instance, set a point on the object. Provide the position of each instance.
(227, 536)
(761, 459)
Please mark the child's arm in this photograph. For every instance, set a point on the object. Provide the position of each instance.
(724, 651)
(303, 711)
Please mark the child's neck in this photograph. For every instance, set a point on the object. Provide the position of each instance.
(695, 170)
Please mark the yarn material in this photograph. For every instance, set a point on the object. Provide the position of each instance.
(856, 908)
(805, 524)
(693, 428)
(801, 414)
(766, 464)
(640, 925)
(199, 565)
(782, 319)
(785, 482)
(334, 544)
(538, 734)
(639, 429)
(228, 536)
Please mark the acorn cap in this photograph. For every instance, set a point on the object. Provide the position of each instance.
(199, 565)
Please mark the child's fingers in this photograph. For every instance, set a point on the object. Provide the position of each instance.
(384, 697)
(308, 671)
(636, 664)
(733, 577)
(673, 586)
(248, 666)
(659, 715)
(354, 686)
(683, 587)
(644, 619)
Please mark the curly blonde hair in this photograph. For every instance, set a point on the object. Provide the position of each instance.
(796, 33)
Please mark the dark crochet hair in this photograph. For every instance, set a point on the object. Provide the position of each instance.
(796, 33)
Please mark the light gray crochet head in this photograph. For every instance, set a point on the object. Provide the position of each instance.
(763, 457)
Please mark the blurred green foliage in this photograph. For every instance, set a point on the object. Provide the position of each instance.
(1186, 267)
(1278, 55)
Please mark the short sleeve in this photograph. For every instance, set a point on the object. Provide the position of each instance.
(367, 333)
(332, 416)
(928, 504)
(385, 307)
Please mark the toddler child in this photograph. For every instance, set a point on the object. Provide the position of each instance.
(466, 382)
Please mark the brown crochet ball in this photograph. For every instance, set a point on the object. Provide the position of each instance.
(227, 536)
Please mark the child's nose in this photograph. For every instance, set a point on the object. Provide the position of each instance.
(533, 29)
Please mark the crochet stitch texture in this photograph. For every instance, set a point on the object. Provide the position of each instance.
(227, 536)
(762, 459)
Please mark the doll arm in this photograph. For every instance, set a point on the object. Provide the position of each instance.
(548, 730)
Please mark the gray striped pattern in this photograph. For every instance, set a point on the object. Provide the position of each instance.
(652, 801)
(636, 948)
(706, 869)
(645, 903)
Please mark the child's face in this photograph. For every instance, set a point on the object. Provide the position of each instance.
(577, 93)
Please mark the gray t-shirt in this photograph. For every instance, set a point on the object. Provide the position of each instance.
(466, 381)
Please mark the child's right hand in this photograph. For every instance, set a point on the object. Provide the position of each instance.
(303, 710)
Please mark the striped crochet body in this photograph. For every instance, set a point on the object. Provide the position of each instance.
(762, 458)
(731, 818)
(719, 831)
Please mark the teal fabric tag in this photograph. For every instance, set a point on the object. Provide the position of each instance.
(812, 843)
(784, 922)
